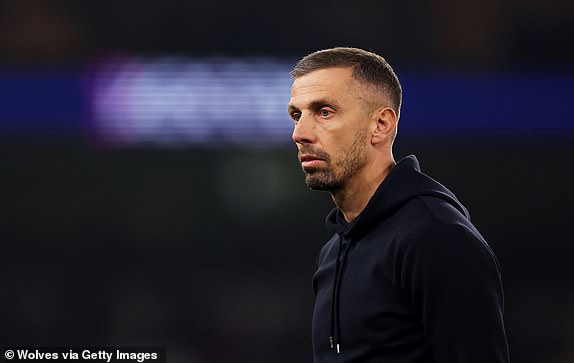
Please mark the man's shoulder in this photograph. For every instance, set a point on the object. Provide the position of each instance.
(421, 217)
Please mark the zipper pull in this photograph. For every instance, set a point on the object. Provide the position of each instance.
(333, 345)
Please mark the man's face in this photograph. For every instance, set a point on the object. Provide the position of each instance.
(330, 127)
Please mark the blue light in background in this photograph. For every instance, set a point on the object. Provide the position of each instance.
(41, 102)
(186, 101)
(169, 101)
(466, 102)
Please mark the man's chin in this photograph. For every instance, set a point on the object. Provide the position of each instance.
(320, 181)
(317, 185)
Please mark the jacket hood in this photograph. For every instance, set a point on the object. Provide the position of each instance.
(404, 182)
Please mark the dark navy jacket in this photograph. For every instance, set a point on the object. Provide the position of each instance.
(410, 280)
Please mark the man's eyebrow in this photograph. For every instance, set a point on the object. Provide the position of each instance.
(291, 108)
(315, 104)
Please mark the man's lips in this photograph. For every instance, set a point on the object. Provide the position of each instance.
(310, 161)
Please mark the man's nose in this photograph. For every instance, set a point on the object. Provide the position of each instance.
(304, 131)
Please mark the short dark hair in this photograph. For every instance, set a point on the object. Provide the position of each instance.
(367, 67)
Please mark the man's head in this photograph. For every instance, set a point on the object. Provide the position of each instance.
(370, 69)
(345, 104)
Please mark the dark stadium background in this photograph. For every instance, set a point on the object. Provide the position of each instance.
(207, 248)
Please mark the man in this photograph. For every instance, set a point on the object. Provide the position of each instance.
(406, 277)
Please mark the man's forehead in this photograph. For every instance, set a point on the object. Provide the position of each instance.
(329, 81)
(325, 77)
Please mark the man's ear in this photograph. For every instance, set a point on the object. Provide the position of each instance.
(385, 126)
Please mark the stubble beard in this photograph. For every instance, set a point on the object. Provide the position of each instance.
(327, 178)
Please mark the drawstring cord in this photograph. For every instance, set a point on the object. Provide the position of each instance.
(335, 337)
(334, 307)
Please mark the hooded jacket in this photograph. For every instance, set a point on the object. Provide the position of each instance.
(409, 280)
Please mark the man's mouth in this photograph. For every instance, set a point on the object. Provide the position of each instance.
(310, 161)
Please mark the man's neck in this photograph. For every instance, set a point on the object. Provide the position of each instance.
(355, 196)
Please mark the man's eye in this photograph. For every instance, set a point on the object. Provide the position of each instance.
(324, 113)
(296, 116)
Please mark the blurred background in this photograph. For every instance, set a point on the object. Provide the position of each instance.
(151, 194)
